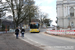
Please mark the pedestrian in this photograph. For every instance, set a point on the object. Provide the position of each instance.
(22, 31)
(17, 32)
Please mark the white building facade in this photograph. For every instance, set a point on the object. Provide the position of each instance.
(65, 13)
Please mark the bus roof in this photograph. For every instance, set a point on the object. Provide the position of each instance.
(34, 22)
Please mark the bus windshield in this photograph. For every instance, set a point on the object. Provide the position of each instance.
(34, 26)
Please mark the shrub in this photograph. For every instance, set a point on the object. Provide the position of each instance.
(3, 27)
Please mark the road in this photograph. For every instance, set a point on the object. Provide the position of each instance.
(52, 42)
(9, 42)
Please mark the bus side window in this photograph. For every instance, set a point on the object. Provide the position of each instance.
(38, 24)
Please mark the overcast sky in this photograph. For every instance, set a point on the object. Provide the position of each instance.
(48, 6)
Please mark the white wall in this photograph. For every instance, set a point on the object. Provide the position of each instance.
(60, 23)
(60, 11)
(64, 11)
(66, 23)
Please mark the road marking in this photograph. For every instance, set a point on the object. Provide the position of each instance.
(38, 44)
(34, 43)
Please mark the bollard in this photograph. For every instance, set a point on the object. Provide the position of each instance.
(6, 29)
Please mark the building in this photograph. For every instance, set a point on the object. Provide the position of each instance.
(8, 23)
(9, 18)
(65, 13)
(3, 9)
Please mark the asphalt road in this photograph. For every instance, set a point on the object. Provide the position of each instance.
(52, 42)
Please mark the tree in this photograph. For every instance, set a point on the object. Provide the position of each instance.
(31, 9)
(3, 8)
(3, 27)
(17, 10)
(42, 17)
(21, 10)
(56, 21)
(47, 21)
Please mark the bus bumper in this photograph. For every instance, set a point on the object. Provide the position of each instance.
(34, 30)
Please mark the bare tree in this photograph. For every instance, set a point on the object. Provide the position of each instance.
(31, 9)
(3, 8)
(21, 10)
(42, 17)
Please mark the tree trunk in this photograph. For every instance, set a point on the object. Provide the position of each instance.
(17, 24)
(29, 20)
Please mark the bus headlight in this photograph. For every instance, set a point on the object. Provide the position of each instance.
(37, 29)
(30, 29)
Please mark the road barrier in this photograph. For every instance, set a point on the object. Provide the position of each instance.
(61, 32)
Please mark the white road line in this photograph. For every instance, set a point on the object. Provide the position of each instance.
(38, 44)
(33, 43)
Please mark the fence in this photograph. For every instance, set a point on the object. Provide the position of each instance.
(61, 32)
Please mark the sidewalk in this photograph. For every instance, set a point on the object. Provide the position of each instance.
(9, 42)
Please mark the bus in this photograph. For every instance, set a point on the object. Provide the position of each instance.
(34, 27)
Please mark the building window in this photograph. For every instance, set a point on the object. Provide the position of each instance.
(72, 24)
(72, 12)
